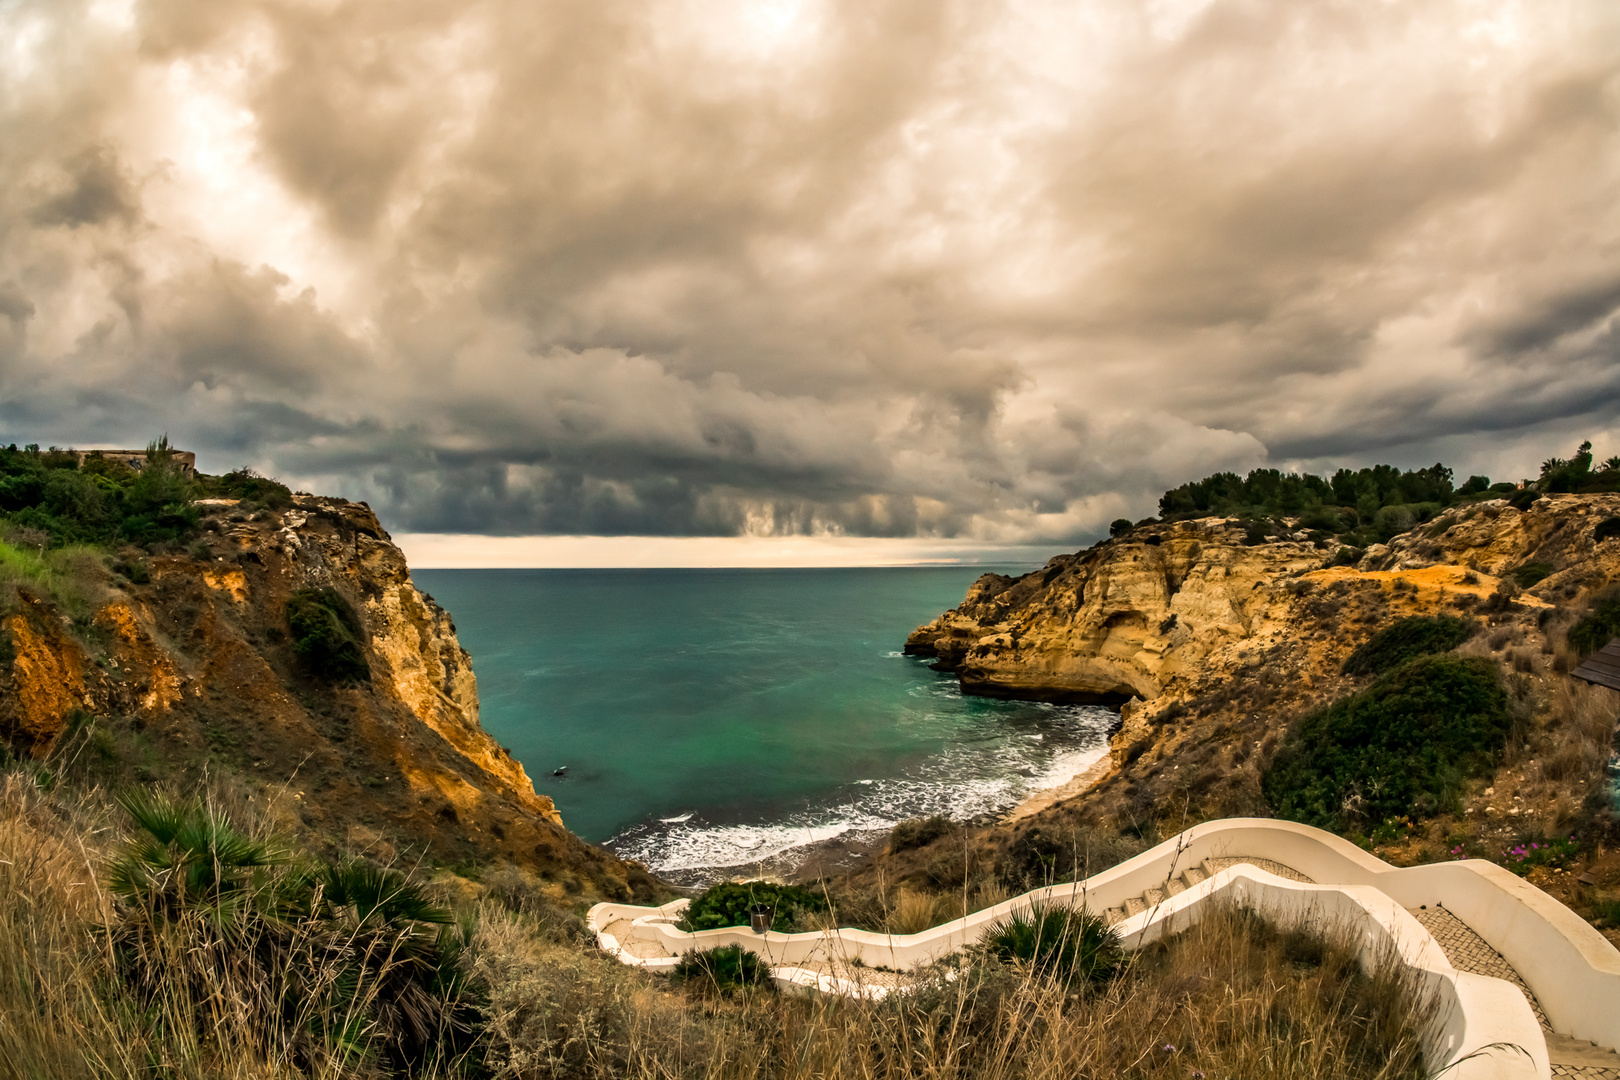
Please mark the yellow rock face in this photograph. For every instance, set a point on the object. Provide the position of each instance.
(1169, 607)
(47, 676)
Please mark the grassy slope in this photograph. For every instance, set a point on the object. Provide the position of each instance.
(1232, 997)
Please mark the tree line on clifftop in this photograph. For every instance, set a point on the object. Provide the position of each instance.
(49, 498)
(1369, 505)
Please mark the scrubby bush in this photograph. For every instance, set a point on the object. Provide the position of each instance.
(339, 967)
(1600, 624)
(1531, 574)
(726, 970)
(1119, 527)
(249, 486)
(1407, 639)
(727, 904)
(1404, 745)
(1059, 942)
(327, 635)
(915, 832)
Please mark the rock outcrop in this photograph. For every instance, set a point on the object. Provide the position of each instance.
(1171, 617)
(192, 670)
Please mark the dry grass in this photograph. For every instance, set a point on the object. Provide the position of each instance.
(96, 988)
(1575, 741)
(1233, 997)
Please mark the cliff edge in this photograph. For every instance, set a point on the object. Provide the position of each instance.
(172, 667)
(1207, 636)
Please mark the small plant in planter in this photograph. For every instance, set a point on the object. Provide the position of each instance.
(727, 904)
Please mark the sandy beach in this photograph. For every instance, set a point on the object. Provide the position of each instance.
(840, 854)
(1076, 784)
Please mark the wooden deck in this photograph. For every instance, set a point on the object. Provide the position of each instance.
(1602, 667)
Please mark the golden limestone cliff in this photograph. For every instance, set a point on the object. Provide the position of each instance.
(184, 663)
(1169, 614)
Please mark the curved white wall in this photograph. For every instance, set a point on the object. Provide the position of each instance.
(1571, 968)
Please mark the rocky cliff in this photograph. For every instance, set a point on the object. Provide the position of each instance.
(1210, 642)
(181, 667)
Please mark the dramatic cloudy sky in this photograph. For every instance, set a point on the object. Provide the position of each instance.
(993, 271)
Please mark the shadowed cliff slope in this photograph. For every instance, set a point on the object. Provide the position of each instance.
(182, 664)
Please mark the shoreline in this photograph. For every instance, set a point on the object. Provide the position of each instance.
(835, 855)
(1077, 784)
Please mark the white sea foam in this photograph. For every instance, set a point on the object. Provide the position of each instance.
(984, 777)
(727, 845)
(1065, 767)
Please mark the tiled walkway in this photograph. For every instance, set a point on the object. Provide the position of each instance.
(1469, 952)
(1219, 863)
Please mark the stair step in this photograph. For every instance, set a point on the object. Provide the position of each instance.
(1154, 897)
(1194, 875)
(1175, 886)
(1113, 915)
(1134, 906)
(1568, 1050)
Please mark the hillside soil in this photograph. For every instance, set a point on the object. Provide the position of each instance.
(181, 666)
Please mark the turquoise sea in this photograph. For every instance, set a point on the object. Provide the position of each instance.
(712, 718)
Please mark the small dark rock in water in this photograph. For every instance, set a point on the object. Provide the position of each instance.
(563, 771)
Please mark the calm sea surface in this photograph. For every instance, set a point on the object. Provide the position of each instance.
(710, 718)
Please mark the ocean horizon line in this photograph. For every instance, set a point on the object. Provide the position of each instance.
(463, 551)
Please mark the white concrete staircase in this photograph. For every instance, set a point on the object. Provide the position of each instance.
(1511, 966)
(1154, 895)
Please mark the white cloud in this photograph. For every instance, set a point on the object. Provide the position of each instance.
(993, 272)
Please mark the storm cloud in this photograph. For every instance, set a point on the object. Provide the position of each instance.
(999, 270)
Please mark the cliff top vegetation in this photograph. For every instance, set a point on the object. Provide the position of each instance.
(49, 499)
(1372, 504)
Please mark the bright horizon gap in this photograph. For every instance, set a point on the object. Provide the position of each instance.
(458, 551)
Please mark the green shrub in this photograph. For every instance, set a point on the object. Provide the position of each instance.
(726, 970)
(1407, 639)
(1346, 498)
(1119, 527)
(1403, 746)
(1532, 574)
(1060, 942)
(327, 635)
(916, 832)
(1526, 855)
(249, 486)
(727, 904)
(348, 964)
(104, 502)
(1600, 624)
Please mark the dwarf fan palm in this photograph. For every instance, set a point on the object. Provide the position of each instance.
(186, 856)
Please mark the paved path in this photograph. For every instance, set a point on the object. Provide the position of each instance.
(1467, 951)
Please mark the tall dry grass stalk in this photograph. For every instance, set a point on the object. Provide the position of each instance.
(1578, 728)
(1232, 997)
(95, 988)
(54, 1019)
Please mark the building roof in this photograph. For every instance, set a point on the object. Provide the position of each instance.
(1602, 667)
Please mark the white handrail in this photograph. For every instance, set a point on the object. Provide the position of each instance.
(1571, 968)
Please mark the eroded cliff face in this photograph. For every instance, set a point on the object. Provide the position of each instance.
(1123, 620)
(1187, 618)
(193, 670)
